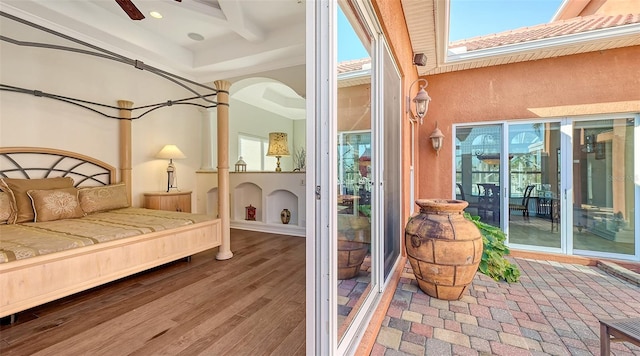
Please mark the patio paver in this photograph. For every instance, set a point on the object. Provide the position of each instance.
(554, 310)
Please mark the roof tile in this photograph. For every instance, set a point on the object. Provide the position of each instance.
(353, 65)
(548, 30)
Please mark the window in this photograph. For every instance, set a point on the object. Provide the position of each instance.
(253, 150)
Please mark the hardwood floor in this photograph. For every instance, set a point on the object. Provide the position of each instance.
(252, 304)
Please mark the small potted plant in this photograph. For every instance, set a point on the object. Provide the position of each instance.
(300, 159)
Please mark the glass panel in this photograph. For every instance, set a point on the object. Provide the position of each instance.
(534, 184)
(355, 167)
(603, 189)
(478, 170)
(392, 164)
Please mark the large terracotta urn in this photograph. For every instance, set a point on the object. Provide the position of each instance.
(443, 247)
(354, 239)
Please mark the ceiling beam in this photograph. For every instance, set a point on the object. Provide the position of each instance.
(238, 22)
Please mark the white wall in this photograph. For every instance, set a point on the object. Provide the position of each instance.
(26, 120)
(300, 135)
(251, 120)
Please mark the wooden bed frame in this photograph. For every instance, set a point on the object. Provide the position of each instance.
(33, 281)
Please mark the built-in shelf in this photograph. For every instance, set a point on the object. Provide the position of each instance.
(279, 200)
(268, 192)
(244, 195)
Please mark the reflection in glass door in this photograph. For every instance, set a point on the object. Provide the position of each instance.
(603, 189)
(534, 184)
(356, 166)
(478, 155)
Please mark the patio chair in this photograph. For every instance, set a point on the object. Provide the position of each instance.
(461, 190)
(524, 205)
(489, 201)
(473, 202)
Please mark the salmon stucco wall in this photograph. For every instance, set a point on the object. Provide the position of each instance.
(584, 84)
(353, 103)
(391, 16)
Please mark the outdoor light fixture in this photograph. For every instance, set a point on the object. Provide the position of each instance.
(421, 100)
(420, 59)
(278, 147)
(437, 138)
(171, 152)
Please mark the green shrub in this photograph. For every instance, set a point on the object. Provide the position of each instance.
(493, 263)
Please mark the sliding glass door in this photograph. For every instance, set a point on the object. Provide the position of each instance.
(357, 165)
(568, 186)
(604, 194)
(534, 184)
(478, 162)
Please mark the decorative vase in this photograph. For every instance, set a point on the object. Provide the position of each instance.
(443, 247)
(285, 216)
(351, 254)
(354, 239)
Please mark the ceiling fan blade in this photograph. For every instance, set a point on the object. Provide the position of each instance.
(130, 9)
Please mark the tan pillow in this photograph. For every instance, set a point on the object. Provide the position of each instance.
(108, 197)
(5, 207)
(17, 189)
(55, 204)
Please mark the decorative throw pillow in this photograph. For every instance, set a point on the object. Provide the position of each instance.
(5, 207)
(17, 189)
(108, 197)
(55, 204)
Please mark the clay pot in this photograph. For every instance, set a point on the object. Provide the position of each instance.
(351, 254)
(354, 239)
(443, 247)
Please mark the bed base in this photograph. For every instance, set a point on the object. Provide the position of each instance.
(37, 280)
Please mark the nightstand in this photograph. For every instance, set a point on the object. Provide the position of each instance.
(172, 201)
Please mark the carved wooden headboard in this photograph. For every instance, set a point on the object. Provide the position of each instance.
(38, 162)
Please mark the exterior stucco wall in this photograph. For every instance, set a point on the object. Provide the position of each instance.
(353, 103)
(584, 84)
(391, 16)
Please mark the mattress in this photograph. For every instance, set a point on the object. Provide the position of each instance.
(20, 241)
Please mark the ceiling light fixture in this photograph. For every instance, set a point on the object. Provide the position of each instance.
(155, 14)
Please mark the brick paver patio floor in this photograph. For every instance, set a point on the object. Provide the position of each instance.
(553, 310)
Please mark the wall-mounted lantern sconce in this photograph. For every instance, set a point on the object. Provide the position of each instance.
(421, 101)
(437, 139)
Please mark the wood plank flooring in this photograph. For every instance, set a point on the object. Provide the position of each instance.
(252, 304)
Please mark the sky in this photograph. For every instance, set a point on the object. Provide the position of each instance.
(469, 18)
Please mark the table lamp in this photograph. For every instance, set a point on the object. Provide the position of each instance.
(278, 147)
(171, 152)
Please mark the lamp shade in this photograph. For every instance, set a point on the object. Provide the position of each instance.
(278, 145)
(170, 152)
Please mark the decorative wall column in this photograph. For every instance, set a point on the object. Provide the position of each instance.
(224, 252)
(125, 144)
(209, 131)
